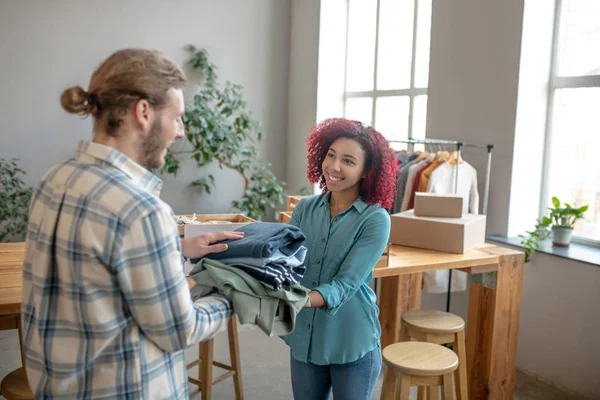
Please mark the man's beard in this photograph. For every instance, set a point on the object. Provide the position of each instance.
(152, 148)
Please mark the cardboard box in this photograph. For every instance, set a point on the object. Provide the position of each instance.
(213, 223)
(438, 205)
(451, 235)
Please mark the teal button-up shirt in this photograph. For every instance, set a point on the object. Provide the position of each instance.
(342, 252)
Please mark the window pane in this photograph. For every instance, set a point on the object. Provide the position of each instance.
(360, 109)
(395, 44)
(574, 170)
(579, 39)
(419, 119)
(423, 44)
(391, 117)
(362, 23)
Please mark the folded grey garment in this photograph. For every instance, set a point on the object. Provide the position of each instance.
(199, 291)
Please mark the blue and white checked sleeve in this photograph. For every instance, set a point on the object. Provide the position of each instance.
(149, 267)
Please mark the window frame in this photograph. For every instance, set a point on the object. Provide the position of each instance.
(375, 94)
(557, 82)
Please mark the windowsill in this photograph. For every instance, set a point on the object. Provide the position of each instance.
(577, 252)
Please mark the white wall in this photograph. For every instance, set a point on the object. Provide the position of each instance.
(46, 46)
(302, 101)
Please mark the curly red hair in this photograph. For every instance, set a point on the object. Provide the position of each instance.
(381, 168)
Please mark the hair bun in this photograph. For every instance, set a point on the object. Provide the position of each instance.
(75, 100)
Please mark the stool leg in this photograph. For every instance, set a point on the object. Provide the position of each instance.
(234, 355)
(448, 393)
(403, 392)
(460, 376)
(422, 393)
(404, 336)
(433, 392)
(206, 368)
(388, 390)
(20, 330)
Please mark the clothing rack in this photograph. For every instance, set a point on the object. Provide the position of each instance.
(459, 146)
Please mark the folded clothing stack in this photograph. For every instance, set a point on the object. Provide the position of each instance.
(259, 274)
(273, 311)
(269, 252)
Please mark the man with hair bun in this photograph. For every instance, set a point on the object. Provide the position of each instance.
(106, 309)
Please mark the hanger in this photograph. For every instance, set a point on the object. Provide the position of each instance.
(453, 157)
(422, 155)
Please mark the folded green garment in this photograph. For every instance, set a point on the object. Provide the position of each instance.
(273, 311)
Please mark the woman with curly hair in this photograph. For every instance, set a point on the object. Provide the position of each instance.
(336, 340)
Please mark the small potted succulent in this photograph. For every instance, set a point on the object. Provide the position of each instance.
(563, 221)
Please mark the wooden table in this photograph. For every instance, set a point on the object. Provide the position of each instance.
(493, 319)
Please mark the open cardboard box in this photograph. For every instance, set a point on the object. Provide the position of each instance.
(292, 201)
(213, 223)
(285, 217)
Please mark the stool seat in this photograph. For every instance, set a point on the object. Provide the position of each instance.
(420, 358)
(14, 386)
(433, 321)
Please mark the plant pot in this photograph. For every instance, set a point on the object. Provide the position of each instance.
(561, 236)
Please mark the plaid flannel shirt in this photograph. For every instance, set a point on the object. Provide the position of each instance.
(106, 308)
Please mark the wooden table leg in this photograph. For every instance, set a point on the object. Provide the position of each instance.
(492, 330)
(398, 294)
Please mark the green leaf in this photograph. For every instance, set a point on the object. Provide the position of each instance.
(555, 202)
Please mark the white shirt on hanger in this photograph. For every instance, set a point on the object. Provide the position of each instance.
(442, 181)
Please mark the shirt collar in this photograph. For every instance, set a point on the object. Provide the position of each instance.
(90, 152)
(358, 204)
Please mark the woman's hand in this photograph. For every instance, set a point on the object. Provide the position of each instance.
(316, 299)
(199, 246)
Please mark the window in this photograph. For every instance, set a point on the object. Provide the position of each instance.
(572, 167)
(387, 65)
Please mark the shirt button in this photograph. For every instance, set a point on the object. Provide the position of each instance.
(314, 283)
(308, 326)
(318, 262)
(335, 219)
(323, 240)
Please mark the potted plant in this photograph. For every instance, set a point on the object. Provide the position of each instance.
(560, 223)
(15, 196)
(563, 221)
(530, 240)
(220, 128)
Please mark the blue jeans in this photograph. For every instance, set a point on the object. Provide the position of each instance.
(352, 381)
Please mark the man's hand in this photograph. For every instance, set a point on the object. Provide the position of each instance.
(199, 246)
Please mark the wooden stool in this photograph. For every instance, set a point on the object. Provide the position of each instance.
(439, 327)
(205, 365)
(14, 386)
(422, 364)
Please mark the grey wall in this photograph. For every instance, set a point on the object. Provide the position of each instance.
(302, 102)
(46, 46)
